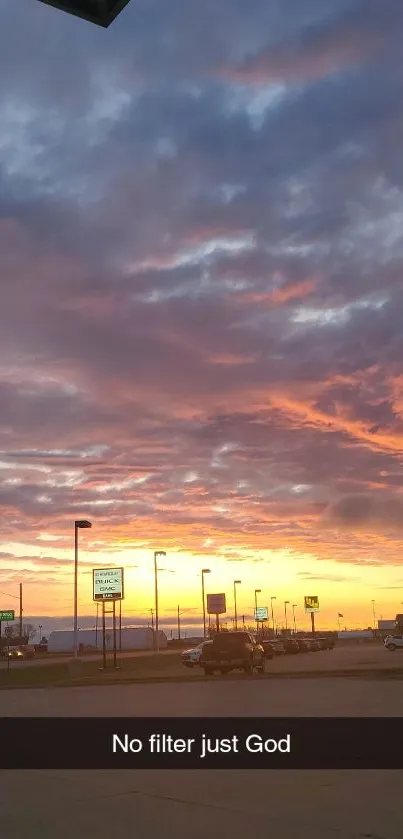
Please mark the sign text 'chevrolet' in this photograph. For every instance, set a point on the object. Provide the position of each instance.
(108, 583)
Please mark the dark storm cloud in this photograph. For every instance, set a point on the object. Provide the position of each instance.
(365, 512)
(200, 257)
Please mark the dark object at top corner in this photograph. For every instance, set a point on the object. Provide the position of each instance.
(101, 12)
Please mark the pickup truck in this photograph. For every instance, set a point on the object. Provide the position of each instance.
(232, 651)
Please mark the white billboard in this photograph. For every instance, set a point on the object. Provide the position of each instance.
(107, 583)
(261, 613)
(216, 604)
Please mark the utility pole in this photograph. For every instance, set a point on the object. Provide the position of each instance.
(179, 624)
(21, 611)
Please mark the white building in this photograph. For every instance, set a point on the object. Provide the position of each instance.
(358, 634)
(133, 638)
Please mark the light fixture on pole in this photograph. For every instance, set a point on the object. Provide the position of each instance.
(294, 606)
(272, 612)
(81, 524)
(236, 583)
(204, 571)
(286, 603)
(257, 591)
(157, 554)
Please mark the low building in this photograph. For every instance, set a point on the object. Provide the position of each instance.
(133, 638)
(355, 635)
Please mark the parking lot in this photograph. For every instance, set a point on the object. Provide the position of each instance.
(193, 804)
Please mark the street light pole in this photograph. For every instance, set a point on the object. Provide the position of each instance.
(373, 613)
(272, 613)
(78, 525)
(204, 571)
(286, 603)
(157, 641)
(236, 583)
(257, 591)
(294, 606)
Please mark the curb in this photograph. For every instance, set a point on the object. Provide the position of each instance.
(379, 675)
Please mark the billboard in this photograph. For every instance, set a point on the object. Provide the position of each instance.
(216, 604)
(107, 584)
(311, 603)
(261, 613)
(7, 615)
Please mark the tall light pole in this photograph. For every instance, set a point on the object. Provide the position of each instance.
(204, 571)
(272, 613)
(157, 554)
(257, 591)
(294, 606)
(286, 603)
(236, 583)
(81, 524)
(373, 613)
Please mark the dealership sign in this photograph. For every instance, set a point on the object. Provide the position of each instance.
(7, 615)
(216, 604)
(107, 583)
(311, 603)
(261, 613)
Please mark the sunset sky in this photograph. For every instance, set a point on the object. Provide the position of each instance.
(201, 304)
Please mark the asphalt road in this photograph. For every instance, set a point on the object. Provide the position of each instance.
(222, 697)
(286, 804)
(345, 657)
(192, 805)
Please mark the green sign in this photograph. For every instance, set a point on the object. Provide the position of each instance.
(7, 615)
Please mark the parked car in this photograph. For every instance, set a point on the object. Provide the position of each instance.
(326, 643)
(22, 652)
(314, 646)
(291, 646)
(278, 646)
(303, 645)
(268, 647)
(393, 642)
(191, 658)
(232, 651)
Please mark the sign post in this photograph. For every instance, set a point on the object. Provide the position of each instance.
(311, 604)
(108, 587)
(216, 605)
(261, 615)
(6, 615)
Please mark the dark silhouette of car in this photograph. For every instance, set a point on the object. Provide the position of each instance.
(303, 645)
(268, 647)
(24, 651)
(232, 651)
(278, 646)
(291, 646)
